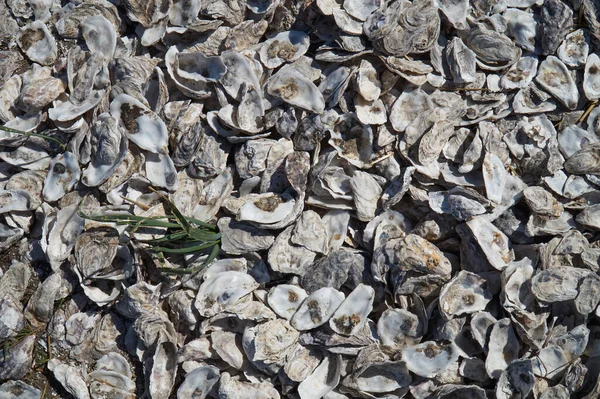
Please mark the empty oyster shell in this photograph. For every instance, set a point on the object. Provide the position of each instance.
(317, 309)
(198, 383)
(399, 328)
(111, 148)
(285, 299)
(574, 49)
(555, 21)
(323, 379)
(591, 77)
(503, 348)
(464, 294)
(283, 47)
(100, 35)
(63, 175)
(557, 284)
(520, 74)
(291, 86)
(352, 313)
(222, 291)
(494, 50)
(429, 359)
(37, 43)
(141, 125)
(554, 77)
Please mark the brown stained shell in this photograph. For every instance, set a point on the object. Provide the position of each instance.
(417, 254)
(554, 77)
(542, 202)
(465, 294)
(37, 43)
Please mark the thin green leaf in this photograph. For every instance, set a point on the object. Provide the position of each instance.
(183, 222)
(177, 236)
(186, 250)
(203, 235)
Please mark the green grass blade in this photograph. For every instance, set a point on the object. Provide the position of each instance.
(187, 250)
(177, 236)
(183, 222)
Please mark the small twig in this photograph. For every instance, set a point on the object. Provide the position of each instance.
(29, 134)
(587, 112)
(143, 206)
(382, 158)
(45, 388)
(49, 348)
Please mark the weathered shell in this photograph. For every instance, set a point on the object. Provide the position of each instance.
(493, 242)
(503, 348)
(141, 125)
(223, 291)
(352, 313)
(100, 35)
(292, 87)
(429, 359)
(574, 49)
(285, 299)
(554, 77)
(64, 173)
(323, 379)
(283, 47)
(198, 383)
(317, 309)
(464, 294)
(37, 43)
(556, 19)
(557, 284)
(111, 147)
(461, 60)
(591, 77)
(520, 74)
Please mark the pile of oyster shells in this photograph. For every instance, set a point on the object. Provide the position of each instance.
(408, 195)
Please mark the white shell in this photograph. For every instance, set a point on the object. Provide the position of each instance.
(38, 43)
(284, 47)
(522, 27)
(352, 314)
(573, 138)
(198, 383)
(492, 241)
(64, 173)
(285, 299)
(317, 309)
(161, 171)
(520, 74)
(222, 291)
(100, 35)
(70, 378)
(465, 294)
(554, 77)
(429, 359)
(574, 49)
(261, 210)
(291, 86)
(142, 126)
(408, 107)
(323, 380)
(503, 348)
(399, 328)
(591, 77)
